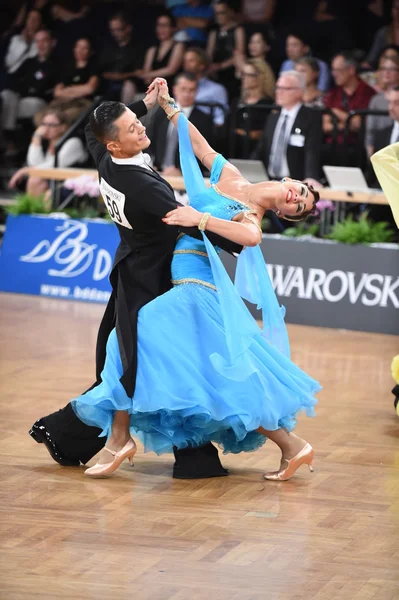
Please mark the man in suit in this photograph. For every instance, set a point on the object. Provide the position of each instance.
(164, 147)
(291, 141)
(136, 198)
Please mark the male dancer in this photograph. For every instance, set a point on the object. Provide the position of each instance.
(137, 198)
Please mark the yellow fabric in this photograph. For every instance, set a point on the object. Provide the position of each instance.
(395, 368)
(386, 167)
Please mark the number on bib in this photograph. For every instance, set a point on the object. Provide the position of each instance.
(115, 202)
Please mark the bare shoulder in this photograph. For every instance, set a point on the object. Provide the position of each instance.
(229, 171)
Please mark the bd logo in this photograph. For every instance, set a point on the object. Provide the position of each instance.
(70, 252)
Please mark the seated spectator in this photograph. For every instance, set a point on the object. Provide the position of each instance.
(309, 67)
(296, 47)
(291, 140)
(389, 80)
(42, 149)
(258, 48)
(350, 93)
(162, 60)
(254, 86)
(192, 19)
(373, 77)
(389, 34)
(42, 6)
(164, 138)
(22, 45)
(32, 85)
(119, 60)
(80, 79)
(223, 42)
(195, 61)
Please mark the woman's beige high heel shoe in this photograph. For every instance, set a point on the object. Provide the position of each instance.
(305, 456)
(128, 451)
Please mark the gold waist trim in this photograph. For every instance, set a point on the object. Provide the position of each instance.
(199, 281)
(191, 252)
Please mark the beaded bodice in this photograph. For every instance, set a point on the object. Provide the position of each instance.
(190, 261)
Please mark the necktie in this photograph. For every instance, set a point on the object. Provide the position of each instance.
(171, 147)
(279, 150)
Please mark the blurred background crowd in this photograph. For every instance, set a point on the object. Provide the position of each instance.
(297, 85)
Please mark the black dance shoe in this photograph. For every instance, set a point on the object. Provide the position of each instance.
(198, 463)
(41, 435)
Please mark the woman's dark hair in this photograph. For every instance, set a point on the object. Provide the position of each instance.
(102, 120)
(306, 213)
(169, 16)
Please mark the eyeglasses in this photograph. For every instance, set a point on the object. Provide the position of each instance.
(339, 70)
(281, 88)
(220, 12)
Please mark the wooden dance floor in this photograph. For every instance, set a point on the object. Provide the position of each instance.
(333, 535)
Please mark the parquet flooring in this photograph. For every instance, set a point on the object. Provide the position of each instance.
(333, 535)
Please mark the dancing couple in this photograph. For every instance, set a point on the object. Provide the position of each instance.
(204, 371)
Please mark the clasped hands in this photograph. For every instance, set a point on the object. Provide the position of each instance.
(155, 91)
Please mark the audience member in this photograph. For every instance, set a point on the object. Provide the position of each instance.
(163, 134)
(350, 93)
(32, 85)
(389, 34)
(223, 42)
(389, 80)
(119, 60)
(42, 6)
(254, 93)
(291, 141)
(162, 60)
(309, 67)
(80, 79)
(296, 47)
(196, 61)
(258, 48)
(22, 45)
(42, 149)
(192, 19)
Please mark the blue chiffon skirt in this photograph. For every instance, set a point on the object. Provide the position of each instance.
(183, 396)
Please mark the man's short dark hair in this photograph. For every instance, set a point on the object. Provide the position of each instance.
(102, 121)
(185, 75)
(349, 59)
(121, 16)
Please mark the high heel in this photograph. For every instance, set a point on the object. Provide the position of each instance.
(99, 470)
(304, 457)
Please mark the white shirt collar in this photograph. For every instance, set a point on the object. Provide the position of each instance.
(140, 160)
(187, 110)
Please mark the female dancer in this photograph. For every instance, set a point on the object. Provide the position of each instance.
(206, 371)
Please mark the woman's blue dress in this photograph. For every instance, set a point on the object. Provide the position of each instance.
(206, 370)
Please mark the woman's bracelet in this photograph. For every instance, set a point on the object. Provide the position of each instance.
(170, 106)
(204, 221)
